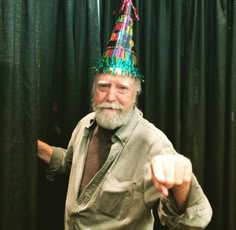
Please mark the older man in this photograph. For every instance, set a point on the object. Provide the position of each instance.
(120, 164)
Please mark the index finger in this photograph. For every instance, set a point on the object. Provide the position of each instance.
(158, 170)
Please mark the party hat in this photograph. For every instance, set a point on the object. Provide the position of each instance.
(119, 56)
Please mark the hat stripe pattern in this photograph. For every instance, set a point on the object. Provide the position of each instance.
(119, 57)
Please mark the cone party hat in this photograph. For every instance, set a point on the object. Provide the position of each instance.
(119, 57)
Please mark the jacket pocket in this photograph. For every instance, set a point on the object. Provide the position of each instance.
(114, 198)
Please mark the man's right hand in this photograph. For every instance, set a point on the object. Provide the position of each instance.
(44, 151)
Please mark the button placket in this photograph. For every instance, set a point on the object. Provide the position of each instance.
(93, 185)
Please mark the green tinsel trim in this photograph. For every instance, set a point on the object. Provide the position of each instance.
(117, 66)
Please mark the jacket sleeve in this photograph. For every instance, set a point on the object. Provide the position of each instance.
(60, 162)
(62, 158)
(197, 215)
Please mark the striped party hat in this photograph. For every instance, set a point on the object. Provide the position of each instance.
(119, 56)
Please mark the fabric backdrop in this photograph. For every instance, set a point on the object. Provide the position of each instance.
(187, 53)
(19, 85)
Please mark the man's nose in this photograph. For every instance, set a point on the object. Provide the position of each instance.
(111, 94)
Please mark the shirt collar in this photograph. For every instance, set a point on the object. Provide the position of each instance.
(124, 132)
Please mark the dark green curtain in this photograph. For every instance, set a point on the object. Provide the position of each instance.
(19, 79)
(70, 44)
(46, 51)
(187, 53)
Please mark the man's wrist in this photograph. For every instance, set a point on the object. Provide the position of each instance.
(180, 193)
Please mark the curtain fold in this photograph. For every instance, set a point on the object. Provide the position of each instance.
(187, 51)
(220, 127)
(70, 44)
(46, 51)
(172, 52)
(19, 77)
(69, 47)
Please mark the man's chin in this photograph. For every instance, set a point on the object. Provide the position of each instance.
(110, 114)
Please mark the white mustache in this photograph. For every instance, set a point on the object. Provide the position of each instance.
(107, 105)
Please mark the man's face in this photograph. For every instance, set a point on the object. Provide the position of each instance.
(114, 99)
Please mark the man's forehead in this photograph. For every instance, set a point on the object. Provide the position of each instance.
(109, 78)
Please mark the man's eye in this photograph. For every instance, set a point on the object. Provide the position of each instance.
(123, 89)
(103, 87)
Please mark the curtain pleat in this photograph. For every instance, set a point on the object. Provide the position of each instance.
(19, 77)
(70, 44)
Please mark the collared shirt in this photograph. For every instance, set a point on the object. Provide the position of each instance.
(121, 195)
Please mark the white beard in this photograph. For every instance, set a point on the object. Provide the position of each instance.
(112, 119)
